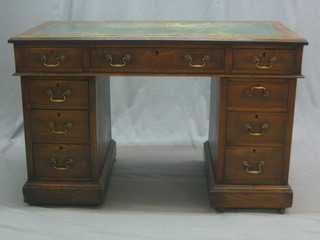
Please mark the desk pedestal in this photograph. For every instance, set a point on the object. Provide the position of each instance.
(70, 152)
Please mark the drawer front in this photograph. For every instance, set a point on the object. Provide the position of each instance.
(264, 61)
(253, 165)
(61, 161)
(59, 126)
(258, 94)
(49, 60)
(162, 60)
(255, 127)
(57, 94)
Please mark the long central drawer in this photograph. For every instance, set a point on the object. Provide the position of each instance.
(144, 60)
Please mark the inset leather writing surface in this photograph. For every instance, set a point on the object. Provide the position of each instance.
(155, 29)
(162, 30)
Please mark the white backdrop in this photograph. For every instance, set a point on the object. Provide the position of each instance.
(170, 201)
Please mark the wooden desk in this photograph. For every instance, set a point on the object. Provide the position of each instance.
(64, 69)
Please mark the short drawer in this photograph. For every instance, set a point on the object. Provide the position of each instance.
(255, 127)
(258, 94)
(162, 60)
(264, 61)
(57, 94)
(253, 165)
(49, 59)
(59, 126)
(61, 161)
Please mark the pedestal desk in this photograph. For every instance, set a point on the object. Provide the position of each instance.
(65, 69)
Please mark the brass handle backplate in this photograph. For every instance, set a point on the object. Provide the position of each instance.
(65, 94)
(248, 127)
(67, 127)
(126, 58)
(265, 93)
(256, 60)
(259, 165)
(68, 163)
(59, 60)
(205, 59)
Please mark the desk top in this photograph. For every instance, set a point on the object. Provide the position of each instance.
(161, 30)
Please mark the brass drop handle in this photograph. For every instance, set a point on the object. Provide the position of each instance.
(126, 58)
(205, 59)
(265, 93)
(68, 163)
(248, 127)
(259, 165)
(256, 60)
(65, 94)
(59, 59)
(67, 127)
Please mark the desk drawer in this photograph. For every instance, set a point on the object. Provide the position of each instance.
(258, 94)
(253, 165)
(264, 61)
(57, 94)
(49, 60)
(59, 126)
(151, 60)
(255, 127)
(61, 161)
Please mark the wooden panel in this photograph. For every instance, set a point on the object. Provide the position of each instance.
(269, 171)
(74, 92)
(42, 133)
(78, 165)
(156, 60)
(238, 133)
(100, 122)
(29, 59)
(217, 125)
(285, 61)
(252, 94)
